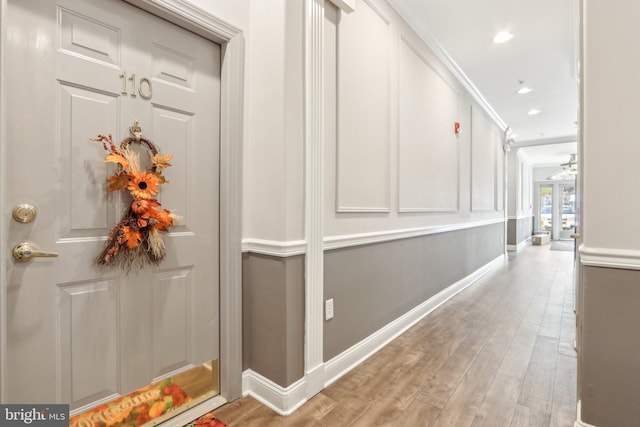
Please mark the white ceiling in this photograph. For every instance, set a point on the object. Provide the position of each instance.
(543, 54)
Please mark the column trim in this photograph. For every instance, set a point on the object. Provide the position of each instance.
(314, 195)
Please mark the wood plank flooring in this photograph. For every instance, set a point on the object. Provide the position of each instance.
(498, 354)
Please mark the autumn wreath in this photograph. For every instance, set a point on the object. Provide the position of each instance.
(137, 238)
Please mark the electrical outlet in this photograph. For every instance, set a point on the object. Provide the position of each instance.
(328, 309)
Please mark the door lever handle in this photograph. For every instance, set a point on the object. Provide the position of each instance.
(23, 252)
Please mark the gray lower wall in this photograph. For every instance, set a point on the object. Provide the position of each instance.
(519, 230)
(273, 317)
(609, 360)
(373, 285)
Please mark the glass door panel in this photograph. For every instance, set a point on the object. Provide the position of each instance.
(567, 210)
(545, 210)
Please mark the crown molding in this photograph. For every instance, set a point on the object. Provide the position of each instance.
(448, 61)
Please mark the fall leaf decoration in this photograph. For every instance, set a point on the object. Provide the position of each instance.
(136, 239)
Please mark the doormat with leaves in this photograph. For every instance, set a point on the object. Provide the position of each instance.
(134, 409)
(207, 420)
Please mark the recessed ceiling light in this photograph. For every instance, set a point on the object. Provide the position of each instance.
(502, 37)
(533, 112)
(524, 89)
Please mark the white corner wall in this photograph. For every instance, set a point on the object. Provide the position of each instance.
(274, 149)
(520, 186)
(610, 110)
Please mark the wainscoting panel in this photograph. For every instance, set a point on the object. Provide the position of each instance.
(483, 162)
(363, 169)
(428, 147)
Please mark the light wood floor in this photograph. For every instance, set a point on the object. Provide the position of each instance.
(497, 354)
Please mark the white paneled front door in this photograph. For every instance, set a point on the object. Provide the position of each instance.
(74, 69)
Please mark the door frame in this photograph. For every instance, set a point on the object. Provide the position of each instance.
(231, 40)
(556, 210)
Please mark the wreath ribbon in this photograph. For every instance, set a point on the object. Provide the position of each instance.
(137, 238)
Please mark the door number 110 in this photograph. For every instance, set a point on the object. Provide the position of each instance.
(145, 94)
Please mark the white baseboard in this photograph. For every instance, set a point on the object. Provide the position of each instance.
(285, 400)
(519, 246)
(347, 360)
(579, 422)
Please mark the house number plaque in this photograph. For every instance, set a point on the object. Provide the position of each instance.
(145, 93)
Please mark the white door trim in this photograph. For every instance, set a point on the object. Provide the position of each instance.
(231, 133)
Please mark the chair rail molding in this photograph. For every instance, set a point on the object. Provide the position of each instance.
(345, 241)
(627, 259)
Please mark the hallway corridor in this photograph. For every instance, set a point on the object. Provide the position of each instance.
(500, 353)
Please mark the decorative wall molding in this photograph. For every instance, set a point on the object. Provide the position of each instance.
(347, 360)
(378, 12)
(346, 6)
(627, 259)
(363, 143)
(299, 247)
(314, 193)
(428, 102)
(345, 241)
(448, 61)
(351, 209)
(483, 177)
(274, 248)
(428, 210)
(283, 400)
(196, 19)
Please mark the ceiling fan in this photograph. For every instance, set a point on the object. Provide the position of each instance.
(571, 165)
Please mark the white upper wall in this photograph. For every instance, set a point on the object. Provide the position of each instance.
(274, 139)
(392, 159)
(610, 113)
(519, 186)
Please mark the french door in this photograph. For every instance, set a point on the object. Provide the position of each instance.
(556, 209)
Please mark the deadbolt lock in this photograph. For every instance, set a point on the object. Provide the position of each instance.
(24, 213)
